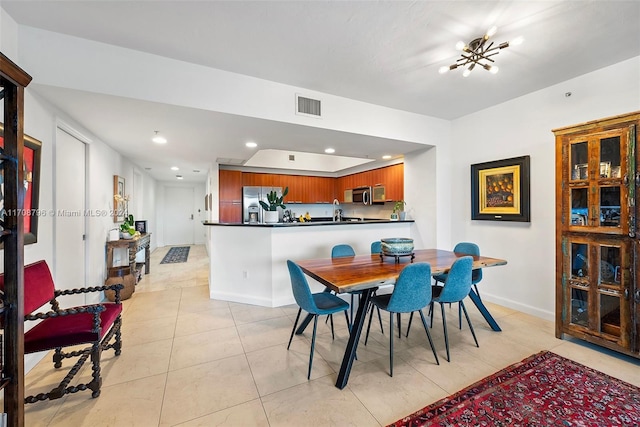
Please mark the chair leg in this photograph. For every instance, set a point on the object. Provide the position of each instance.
(431, 313)
(333, 335)
(469, 322)
(477, 292)
(460, 315)
(57, 357)
(391, 344)
(313, 344)
(399, 331)
(409, 324)
(444, 326)
(96, 381)
(366, 339)
(294, 327)
(346, 316)
(426, 329)
(380, 319)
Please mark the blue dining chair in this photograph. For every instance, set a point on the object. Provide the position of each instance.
(317, 304)
(376, 247)
(411, 293)
(456, 288)
(476, 276)
(344, 250)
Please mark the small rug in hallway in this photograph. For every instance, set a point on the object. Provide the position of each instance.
(542, 390)
(176, 254)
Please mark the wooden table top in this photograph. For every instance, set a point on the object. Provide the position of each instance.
(366, 271)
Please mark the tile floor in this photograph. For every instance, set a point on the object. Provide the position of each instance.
(191, 361)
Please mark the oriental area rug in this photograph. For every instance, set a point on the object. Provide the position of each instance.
(176, 254)
(542, 390)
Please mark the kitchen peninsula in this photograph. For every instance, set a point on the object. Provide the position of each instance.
(249, 261)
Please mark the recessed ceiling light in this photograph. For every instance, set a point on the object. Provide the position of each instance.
(386, 157)
(179, 176)
(251, 144)
(175, 168)
(330, 150)
(196, 171)
(159, 139)
(147, 169)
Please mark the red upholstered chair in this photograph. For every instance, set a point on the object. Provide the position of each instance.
(96, 325)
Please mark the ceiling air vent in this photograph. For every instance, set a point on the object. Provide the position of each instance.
(308, 107)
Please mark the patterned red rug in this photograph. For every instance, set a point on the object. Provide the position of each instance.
(543, 390)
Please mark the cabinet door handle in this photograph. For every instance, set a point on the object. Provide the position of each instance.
(638, 296)
(626, 293)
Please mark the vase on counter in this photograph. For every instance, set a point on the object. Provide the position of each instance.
(402, 215)
(271, 217)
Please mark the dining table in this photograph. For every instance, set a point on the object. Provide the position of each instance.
(366, 273)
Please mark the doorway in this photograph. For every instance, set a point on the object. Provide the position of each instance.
(69, 220)
(178, 223)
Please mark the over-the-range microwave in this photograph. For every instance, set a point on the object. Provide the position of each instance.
(368, 195)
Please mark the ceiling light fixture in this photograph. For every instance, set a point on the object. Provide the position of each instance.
(330, 150)
(478, 52)
(159, 139)
(386, 157)
(251, 144)
(175, 168)
(179, 176)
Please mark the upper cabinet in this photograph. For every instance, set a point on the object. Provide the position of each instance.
(230, 186)
(391, 177)
(302, 188)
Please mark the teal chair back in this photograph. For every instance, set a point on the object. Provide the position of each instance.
(301, 290)
(458, 283)
(376, 247)
(339, 251)
(412, 290)
(470, 249)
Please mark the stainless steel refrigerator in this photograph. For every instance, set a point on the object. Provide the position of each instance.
(252, 212)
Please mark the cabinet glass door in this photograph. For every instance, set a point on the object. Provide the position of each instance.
(579, 284)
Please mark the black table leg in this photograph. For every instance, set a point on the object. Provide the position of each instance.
(308, 318)
(485, 313)
(354, 337)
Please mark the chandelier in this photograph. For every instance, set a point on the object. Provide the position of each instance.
(478, 52)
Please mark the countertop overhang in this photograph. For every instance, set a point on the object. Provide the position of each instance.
(308, 223)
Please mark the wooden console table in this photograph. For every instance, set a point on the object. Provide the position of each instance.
(134, 245)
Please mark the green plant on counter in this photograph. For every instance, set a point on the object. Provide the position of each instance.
(399, 206)
(275, 202)
(128, 225)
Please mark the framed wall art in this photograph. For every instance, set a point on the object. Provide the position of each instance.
(500, 190)
(119, 199)
(32, 154)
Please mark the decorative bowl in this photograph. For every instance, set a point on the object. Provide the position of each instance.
(396, 246)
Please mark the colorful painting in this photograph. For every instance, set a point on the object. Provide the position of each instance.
(500, 190)
(31, 169)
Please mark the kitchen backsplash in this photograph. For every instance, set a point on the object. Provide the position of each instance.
(349, 210)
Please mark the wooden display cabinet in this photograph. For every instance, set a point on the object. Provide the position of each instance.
(597, 180)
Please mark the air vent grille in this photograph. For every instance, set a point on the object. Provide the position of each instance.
(308, 106)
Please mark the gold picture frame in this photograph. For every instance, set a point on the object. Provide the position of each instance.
(118, 190)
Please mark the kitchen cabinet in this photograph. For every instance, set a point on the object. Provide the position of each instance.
(230, 196)
(392, 177)
(302, 188)
(597, 235)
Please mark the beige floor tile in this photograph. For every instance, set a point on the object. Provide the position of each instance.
(265, 333)
(317, 403)
(134, 403)
(210, 387)
(243, 415)
(245, 313)
(194, 349)
(136, 361)
(201, 321)
(276, 368)
(142, 332)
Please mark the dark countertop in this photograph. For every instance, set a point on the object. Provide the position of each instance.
(317, 222)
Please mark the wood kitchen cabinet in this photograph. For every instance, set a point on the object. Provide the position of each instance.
(392, 177)
(597, 235)
(230, 196)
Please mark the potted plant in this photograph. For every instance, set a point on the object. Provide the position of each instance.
(271, 208)
(398, 210)
(127, 229)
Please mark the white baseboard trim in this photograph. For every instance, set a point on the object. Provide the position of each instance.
(241, 298)
(534, 311)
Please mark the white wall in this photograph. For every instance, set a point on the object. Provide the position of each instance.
(523, 127)
(199, 214)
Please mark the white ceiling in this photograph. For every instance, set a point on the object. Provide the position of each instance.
(385, 52)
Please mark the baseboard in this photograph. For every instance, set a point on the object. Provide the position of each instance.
(534, 311)
(240, 298)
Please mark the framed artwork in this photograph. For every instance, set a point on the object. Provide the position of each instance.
(500, 190)
(141, 226)
(118, 202)
(32, 155)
